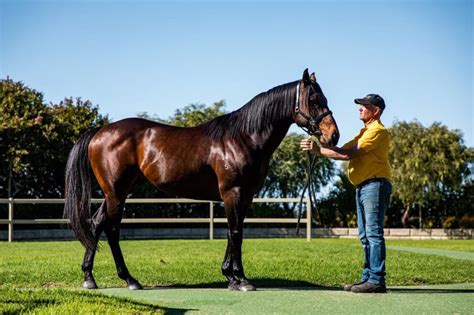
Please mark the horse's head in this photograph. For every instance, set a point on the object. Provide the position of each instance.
(312, 112)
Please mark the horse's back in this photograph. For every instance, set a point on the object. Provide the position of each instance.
(174, 159)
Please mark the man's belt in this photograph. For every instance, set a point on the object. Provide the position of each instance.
(372, 180)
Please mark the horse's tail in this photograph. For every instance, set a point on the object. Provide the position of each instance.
(78, 190)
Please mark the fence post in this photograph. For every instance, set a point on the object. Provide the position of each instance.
(211, 220)
(10, 220)
(308, 219)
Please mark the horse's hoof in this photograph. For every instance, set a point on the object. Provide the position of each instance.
(89, 284)
(234, 285)
(135, 286)
(246, 286)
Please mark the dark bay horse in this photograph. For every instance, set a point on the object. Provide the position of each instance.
(225, 159)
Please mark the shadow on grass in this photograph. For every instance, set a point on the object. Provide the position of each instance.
(429, 290)
(283, 284)
(260, 283)
(15, 301)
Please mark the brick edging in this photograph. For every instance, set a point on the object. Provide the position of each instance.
(202, 233)
(399, 233)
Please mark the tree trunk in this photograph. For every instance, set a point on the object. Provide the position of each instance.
(406, 215)
(9, 179)
(420, 218)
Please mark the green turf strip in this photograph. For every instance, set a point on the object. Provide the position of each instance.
(456, 254)
(438, 299)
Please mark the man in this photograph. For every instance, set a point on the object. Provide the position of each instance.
(369, 171)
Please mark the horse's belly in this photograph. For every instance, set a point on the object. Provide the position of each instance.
(201, 186)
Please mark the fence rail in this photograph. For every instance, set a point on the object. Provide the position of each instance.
(211, 219)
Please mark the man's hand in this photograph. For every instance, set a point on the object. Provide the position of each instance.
(332, 153)
(309, 145)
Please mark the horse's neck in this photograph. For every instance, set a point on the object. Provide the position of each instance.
(269, 139)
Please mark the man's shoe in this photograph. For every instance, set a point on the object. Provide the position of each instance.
(369, 287)
(348, 287)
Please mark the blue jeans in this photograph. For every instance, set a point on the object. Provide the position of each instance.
(372, 201)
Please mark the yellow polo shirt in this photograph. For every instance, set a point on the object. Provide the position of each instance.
(374, 140)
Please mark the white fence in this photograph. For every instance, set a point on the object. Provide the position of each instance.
(210, 220)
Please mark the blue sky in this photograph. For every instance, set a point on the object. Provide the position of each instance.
(156, 56)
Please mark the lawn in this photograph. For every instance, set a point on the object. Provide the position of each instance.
(50, 271)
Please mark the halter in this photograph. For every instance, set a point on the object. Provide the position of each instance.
(312, 123)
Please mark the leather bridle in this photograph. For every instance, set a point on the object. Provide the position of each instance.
(312, 125)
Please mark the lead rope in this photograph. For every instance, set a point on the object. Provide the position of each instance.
(309, 185)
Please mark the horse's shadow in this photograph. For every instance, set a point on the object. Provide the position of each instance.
(284, 284)
(260, 283)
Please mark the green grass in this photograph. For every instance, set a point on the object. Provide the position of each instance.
(463, 245)
(50, 271)
(269, 262)
(60, 301)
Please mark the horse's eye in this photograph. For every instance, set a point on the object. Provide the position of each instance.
(313, 97)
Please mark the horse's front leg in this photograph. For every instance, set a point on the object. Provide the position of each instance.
(227, 265)
(235, 207)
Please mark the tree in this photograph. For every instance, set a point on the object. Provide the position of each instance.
(69, 119)
(35, 139)
(287, 174)
(338, 209)
(191, 115)
(21, 110)
(427, 163)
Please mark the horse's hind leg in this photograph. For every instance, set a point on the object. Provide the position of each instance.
(97, 227)
(112, 230)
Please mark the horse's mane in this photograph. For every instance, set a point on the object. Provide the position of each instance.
(257, 115)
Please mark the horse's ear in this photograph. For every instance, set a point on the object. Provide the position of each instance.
(313, 77)
(306, 75)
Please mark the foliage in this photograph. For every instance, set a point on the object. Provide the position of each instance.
(191, 115)
(451, 222)
(338, 209)
(287, 176)
(428, 163)
(467, 221)
(20, 117)
(287, 173)
(195, 114)
(36, 139)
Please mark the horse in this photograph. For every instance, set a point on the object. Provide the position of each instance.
(225, 159)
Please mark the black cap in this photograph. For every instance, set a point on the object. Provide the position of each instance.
(371, 99)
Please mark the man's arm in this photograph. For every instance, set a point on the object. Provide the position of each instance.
(335, 153)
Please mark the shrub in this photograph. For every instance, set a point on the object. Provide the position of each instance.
(450, 222)
(467, 221)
